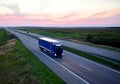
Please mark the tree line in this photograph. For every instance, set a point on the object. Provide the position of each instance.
(104, 39)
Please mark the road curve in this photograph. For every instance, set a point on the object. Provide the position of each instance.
(71, 68)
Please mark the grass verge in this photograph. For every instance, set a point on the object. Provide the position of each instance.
(2, 36)
(19, 66)
(94, 58)
(38, 68)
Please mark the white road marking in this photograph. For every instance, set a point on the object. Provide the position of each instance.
(92, 61)
(106, 67)
(66, 69)
(62, 66)
(101, 65)
(58, 64)
(85, 67)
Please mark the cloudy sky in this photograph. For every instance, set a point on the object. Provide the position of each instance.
(59, 12)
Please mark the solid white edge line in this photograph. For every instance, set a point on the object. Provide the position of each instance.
(66, 68)
(96, 63)
(90, 61)
(93, 61)
(61, 66)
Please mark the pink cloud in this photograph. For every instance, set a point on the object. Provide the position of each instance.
(106, 17)
(111, 17)
(106, 13)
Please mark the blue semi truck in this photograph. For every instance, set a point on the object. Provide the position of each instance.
(51, 46)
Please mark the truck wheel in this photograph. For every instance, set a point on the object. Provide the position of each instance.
(40, 48)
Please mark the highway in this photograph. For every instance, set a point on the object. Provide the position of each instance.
(71, 68)
(87, 48)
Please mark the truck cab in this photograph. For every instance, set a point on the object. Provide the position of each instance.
(57, 48)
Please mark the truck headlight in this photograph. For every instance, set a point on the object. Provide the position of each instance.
(55, 54)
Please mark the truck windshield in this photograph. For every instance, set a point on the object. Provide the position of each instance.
(57, 45)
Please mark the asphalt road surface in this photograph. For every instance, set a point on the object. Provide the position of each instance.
(71, 68)
(87, 48)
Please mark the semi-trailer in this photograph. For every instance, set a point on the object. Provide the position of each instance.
(52, 46)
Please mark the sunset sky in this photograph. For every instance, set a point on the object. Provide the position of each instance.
(59, 12)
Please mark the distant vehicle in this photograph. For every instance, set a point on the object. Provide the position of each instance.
(51, 46)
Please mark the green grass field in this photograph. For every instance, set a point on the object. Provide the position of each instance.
(105, 38)
(19, 66)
